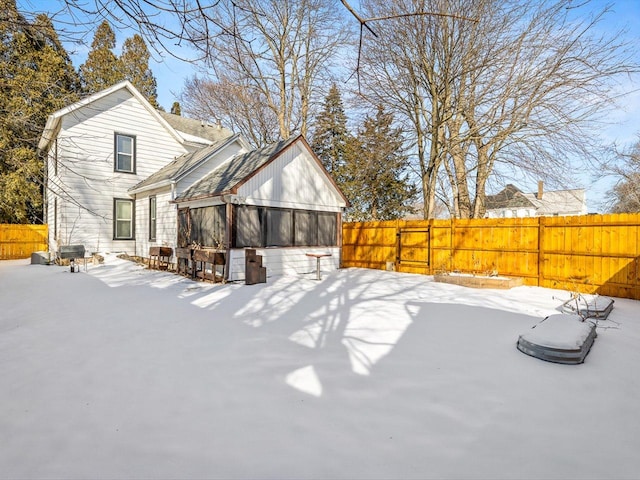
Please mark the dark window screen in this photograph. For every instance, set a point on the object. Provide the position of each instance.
(208, 226)
(279, 226)
(327, 224)
(249, 228)
(306, 228)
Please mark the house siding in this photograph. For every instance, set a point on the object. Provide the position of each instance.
(285, 261)
(87, 184)
(166, 222)
(278, 184)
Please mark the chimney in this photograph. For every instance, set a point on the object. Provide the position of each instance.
(540, 189)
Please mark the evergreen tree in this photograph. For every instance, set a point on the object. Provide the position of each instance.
(36, 78)
(102, 68)
(330, 136)
(175, 108)
(376, 179)
(134, 62)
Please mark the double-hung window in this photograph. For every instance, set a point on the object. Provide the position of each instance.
(123, 226)
(125, 153)
(152, 218)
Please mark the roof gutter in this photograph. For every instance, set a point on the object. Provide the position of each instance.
(162, 183)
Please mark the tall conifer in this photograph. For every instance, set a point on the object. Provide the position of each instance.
(36, 78)
(135, 68)
(102, 68)
(330, 136)
(376, 173)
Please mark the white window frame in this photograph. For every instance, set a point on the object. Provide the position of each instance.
(153, 217)
(118, 221)
(118, 154)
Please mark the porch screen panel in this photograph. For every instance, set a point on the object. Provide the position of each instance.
(306, 228)
(184, 236)
(279, 228)
(248, 227)
(208, 225)
(327, 229)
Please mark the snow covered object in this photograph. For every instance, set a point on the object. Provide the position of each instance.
(559, 338)
(589, 306)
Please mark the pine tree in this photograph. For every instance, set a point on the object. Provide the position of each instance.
(102, 68)
(376, 179)
(36, 78)
(134, 62)
(330, 136)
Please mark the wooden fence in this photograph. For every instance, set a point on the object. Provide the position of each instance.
(589, 254)
(20, 241)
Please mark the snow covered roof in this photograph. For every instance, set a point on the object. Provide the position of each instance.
(558, 202)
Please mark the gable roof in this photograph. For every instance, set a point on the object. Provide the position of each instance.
(551, 203)
(183, 165)
(510, 197)
(228, 177)
(196, 128)
(54, 120)
(559, 201)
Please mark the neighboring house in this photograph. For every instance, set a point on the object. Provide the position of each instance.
(122, 177)
(512, 202)
(278, 199)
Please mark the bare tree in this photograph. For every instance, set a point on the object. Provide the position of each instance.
(270, 53)
(624, 196)
(232, 104)
(522, 85)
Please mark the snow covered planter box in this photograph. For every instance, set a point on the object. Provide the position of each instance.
(559, 338)
(478, 281)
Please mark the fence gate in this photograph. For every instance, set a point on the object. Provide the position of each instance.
(412, 251)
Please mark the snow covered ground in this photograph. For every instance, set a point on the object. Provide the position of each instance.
(123, 372)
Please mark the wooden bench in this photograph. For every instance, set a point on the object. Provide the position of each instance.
(159, 257)
(71, 253)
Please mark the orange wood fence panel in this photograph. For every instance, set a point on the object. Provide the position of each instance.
(20, 241)
(589, 254)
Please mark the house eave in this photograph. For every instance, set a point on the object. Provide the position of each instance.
(153, 186)
(201, 197)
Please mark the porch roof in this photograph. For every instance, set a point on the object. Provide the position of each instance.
(231, 174)
(181, 166)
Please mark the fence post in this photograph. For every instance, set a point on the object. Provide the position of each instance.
(452, 230)
(541, 225)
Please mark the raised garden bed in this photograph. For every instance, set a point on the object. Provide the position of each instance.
(478, 281)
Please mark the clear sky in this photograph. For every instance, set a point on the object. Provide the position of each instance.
(171, 72)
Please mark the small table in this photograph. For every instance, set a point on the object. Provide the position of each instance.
(318, 256)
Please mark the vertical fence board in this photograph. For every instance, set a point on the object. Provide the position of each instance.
(20, 241)
(590, 254)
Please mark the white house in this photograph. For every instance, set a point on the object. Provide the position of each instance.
(124, 177)
(511, 202)
(99, 148)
